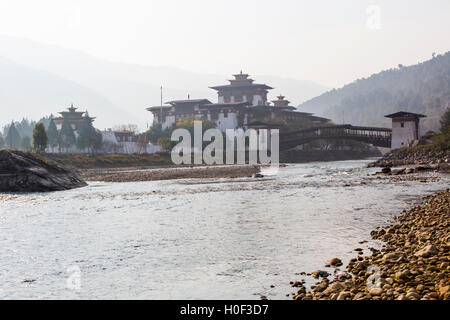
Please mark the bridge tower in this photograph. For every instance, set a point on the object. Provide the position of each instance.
(405, 128)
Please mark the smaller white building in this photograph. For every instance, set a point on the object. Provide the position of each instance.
(405, 128)
(125, 143)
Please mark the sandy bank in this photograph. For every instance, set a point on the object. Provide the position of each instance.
(136, 174)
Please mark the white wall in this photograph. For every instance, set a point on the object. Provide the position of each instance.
(170, 120)
(257, 100)
(402, 137)
(228, 122)
(109, 136)
(127, 147)
(133, 147)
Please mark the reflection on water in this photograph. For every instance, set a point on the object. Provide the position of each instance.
(193, 239)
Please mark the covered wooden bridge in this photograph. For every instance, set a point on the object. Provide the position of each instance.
(380, 137)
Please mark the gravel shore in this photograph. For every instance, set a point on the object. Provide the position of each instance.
(414, 263)
(413, 156)
(135, 174)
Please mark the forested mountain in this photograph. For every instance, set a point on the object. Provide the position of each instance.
(421, 88)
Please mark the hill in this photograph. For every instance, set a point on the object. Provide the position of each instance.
(32, 93)
(421, 88)
(131, 87)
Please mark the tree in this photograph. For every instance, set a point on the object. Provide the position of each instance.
(40, 138)
(155, 132)
(445, 122)
(66, 137)
(188, 124)
(25, 143)
(46, 121)
(127, 127)
(13, 137)
(97, 141)
(166, 143)
(142, 143)
(52, 133)
(25, 127)
(87, 136)
(2, 142)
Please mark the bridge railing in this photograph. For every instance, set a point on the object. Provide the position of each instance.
(341, 131)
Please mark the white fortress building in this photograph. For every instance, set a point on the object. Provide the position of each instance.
(405, 128)
(239, 103)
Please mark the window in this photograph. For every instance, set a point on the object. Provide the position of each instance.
(402, 124)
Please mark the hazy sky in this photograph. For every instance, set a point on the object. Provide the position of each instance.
(330, 42)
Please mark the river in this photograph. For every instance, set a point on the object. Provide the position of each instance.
(193, 239)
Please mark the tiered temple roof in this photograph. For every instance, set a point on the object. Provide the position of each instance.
(75, 118)
(241, 81)
(73, 114)
(281, 102)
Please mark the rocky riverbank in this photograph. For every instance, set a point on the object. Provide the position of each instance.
(305, 156)
(441, 167)
(414, 263)
(404, 157)
(24, 172)
(136, 174)
(430, 151)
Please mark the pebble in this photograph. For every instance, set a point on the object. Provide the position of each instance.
(376, 291)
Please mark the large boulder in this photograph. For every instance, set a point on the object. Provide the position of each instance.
(23, 172)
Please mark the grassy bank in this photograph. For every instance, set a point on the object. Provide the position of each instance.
(105, 161)
(88, 161)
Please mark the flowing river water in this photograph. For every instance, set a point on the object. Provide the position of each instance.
(195, 239)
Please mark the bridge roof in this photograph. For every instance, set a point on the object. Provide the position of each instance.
(405, 114)
(349, 126)
(341, 126)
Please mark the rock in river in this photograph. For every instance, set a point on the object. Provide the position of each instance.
(335, 262)
(23, 172)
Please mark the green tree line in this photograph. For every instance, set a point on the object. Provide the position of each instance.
(17, 135)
